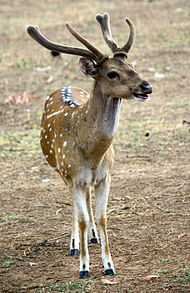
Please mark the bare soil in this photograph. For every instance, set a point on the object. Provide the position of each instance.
(149, 202)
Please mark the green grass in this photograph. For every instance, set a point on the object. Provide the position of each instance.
(163, 260)
(7, 261)
(74, 286)
(20, 218)
(21, 63)
(183, 278)
(13, 144)
(7, 219)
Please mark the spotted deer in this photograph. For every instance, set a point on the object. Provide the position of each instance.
(77, 131)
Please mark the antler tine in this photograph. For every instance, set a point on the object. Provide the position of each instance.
(104, 22)
(35, 33)
(85, 42)
(131, 39)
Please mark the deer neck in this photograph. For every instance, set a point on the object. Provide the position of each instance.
(102, 116)
(104, 111)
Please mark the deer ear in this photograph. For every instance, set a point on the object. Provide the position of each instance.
(88, 67)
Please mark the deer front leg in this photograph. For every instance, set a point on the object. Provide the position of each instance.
(102, 191)
(79, 202)
(92, 227)
(74, 245)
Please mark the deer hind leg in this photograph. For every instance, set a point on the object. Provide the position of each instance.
(92, 227)
(101, 192)
(81, 215)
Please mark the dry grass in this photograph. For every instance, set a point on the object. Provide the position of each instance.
(150, 194)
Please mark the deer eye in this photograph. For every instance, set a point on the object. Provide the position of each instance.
(113, 75)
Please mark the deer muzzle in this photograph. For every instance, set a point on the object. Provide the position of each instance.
(146, 88)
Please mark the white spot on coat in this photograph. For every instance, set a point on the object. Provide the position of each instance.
(73, 114)
(54, 113)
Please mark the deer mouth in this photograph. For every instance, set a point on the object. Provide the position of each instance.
(145, 89)
(140, 97)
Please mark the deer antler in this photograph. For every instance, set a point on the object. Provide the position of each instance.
(93, 54)
(105, 26)
(85, 42)
(131, 38)
(104, 22)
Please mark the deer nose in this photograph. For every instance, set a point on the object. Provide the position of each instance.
(146, 88)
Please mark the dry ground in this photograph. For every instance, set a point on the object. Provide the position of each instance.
(149, 204)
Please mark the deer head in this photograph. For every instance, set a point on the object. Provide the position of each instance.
(117, 77)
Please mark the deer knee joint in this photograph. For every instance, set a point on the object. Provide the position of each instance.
(81, 184)
(100, 181)
(102, 221)
(83, 224)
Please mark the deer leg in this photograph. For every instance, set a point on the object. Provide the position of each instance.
(79, 200)
(92, 227)
(102, 191)
(74, 245)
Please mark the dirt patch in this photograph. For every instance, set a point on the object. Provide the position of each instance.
(149, 203)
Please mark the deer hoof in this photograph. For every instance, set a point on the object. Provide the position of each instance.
(94, 240)
(83, 274)
(74, 251)
(109, 272)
